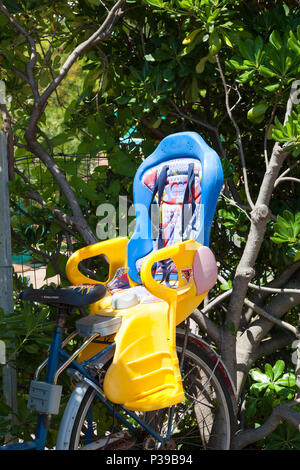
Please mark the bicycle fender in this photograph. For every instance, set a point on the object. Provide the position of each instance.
(70, 411)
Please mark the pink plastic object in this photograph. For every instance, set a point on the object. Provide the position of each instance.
(205, 269)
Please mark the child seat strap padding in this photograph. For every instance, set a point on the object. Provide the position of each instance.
(188, 192)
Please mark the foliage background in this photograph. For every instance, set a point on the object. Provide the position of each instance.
(161, 70)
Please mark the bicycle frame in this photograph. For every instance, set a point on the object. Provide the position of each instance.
(56, 356)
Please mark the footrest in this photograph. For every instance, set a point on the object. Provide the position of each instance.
(92, 324)
(44, 398)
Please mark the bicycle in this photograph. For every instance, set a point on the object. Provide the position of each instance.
(189, 425)
(164, 388)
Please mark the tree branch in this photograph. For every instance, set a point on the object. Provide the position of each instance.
(202, 123)
(33, 194)
(32, 62)
(273, 290)
(250, 340)
(232, 202)
(40, 103)
(267, 130)
(207, 326)
(282, 411)
(39, 253)
(279, 340)
(289, 169)
(78, 219)
(285, 178)
(271, 318)
(102, 33)
(48, 53)
(277, 283)
(245, 270)
(238, 133)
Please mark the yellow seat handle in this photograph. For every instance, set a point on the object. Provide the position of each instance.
(182, 255)
(113, 250)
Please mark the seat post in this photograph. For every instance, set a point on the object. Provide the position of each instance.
(63, 311)
(53, 362)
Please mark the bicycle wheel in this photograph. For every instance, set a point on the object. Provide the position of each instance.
(204, 420)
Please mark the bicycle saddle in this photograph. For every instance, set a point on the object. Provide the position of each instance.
(77, 296)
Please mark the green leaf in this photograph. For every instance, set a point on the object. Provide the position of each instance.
(226, 286)
(278, 240)
(287, 380)
(50, 271)
(266, 72)
(201, 64)
(60, 139)
(272, 88)
(228, 168)
(227, 40)
(45, 79)
(237, 64)
(294, 43)
(149, 58)
(156, 3)
(114, 187)
(258, 44)
(191, 44)
(269, 371)
(257, 112)
(258, 376)
(251, 408)
(156, 123)
(278, 124)
(215, 43)
(276, 40)
(214, 15)
(245, 77)
(168, 75)
(287, 228)
(247, 50)
(257, 387)
(186, 4)
(289, 217)
(191, 36)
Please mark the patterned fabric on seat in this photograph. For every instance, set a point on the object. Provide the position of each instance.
(171, 210)
(120, 282)
(171, 213)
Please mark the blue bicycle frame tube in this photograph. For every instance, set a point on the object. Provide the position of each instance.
(57, 354)
(53, 363)
(54, 354)
(42, 429)
(82, 370)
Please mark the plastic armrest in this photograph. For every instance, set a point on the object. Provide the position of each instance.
(114, 251)
(182, 255)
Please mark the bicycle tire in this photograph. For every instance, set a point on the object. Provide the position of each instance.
(194, 430)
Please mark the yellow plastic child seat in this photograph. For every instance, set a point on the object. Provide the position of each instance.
(144, 374)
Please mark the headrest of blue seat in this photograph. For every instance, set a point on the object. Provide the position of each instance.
(175, 146)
